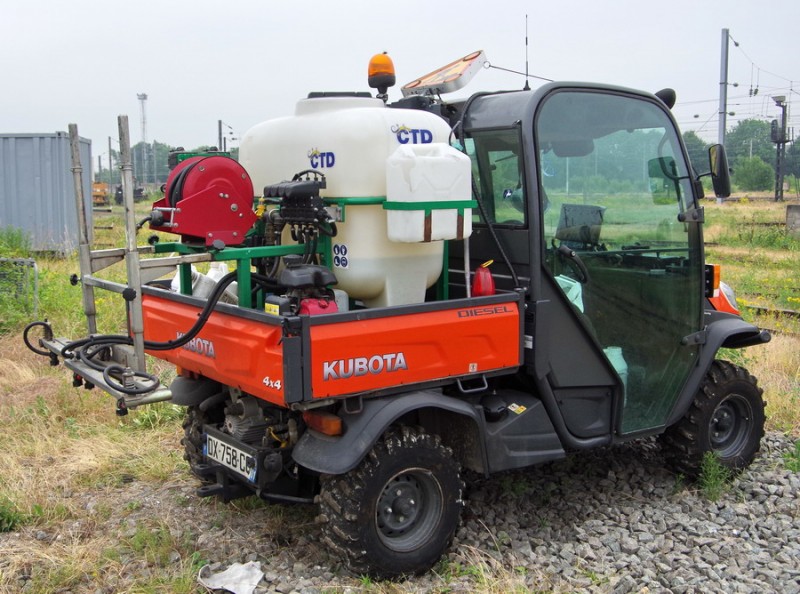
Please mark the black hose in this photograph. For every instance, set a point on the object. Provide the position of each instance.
(86, 349)
(493, 233)
(459, 131)
(141, 223)
(48, 335)
(105, 340)
(120, 387)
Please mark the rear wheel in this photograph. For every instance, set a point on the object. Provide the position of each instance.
(726, 417)
(193, 436)
(398, 510)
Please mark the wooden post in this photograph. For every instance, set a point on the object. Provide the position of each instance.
(84, 249)
(131, 251)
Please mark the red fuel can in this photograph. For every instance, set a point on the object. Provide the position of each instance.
(482, 280)
(315, 307)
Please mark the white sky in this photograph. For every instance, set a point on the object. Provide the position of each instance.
(245, 61)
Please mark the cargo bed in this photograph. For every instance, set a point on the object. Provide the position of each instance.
(289, 359)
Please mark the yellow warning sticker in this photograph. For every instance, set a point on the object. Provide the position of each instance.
(517, 408)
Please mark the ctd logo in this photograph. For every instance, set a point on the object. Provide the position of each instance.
(406, 135)
(320, 160)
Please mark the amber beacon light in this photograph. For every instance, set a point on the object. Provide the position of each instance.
(381, 74)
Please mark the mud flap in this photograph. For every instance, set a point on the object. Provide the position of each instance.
(338, 455)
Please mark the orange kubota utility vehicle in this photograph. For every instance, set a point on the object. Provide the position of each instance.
(362, 352)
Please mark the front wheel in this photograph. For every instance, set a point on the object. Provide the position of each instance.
(398, 510)
(726, 418)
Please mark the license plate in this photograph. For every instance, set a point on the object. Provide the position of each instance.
(229, 456)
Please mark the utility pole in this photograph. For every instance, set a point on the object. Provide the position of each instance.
(779, 138)
(219, 135)
(110, 176)
(723, 87)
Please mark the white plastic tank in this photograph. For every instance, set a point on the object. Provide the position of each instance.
(349, 140)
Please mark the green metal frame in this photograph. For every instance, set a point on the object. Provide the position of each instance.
(431, 205)
(243, 257)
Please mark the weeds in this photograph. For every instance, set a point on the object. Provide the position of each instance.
(157, 415)
(485, 572)
(14, 243)
(680, 483)
(714, 477)
(515, 484)
(792, 458)
(595, 578)
(10, 518)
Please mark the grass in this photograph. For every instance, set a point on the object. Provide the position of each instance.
(761, 261)
(10, 517)
(69, 447)
(759, 257)
(792, 458)
(714, 477)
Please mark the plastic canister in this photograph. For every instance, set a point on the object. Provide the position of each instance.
(483, 282)
(614, 355)
(431, 175)
(203, 284)
(342, 300)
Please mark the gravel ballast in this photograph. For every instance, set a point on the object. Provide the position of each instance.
(612, 520)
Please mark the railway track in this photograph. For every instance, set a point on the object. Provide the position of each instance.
(773, 313)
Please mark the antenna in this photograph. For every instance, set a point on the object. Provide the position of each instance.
(527, 87)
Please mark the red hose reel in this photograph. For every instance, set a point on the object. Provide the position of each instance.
(207, 200)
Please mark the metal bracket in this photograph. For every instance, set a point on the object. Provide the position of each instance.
(481, 387)
(695, 339)
(336, 212)
(692, 215)
(356, 409)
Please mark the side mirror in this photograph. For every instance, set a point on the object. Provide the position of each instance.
(720, 173)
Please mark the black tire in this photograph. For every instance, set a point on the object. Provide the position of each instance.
(397, 511)
(193, 438)
(726, 417)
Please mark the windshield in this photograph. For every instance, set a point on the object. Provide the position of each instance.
(618, 157)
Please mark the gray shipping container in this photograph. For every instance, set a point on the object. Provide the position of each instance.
(37, 192)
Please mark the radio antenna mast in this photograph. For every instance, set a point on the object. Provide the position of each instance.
(527, 87)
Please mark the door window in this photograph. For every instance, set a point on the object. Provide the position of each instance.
(613, 181)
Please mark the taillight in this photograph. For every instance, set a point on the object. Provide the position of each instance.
(325, 422)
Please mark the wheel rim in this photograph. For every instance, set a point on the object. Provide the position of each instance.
(409, 509)
(730, 426)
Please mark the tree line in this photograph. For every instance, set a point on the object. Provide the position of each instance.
(751, 154)
(149, 163)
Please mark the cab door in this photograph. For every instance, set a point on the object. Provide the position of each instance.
(612, 184)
